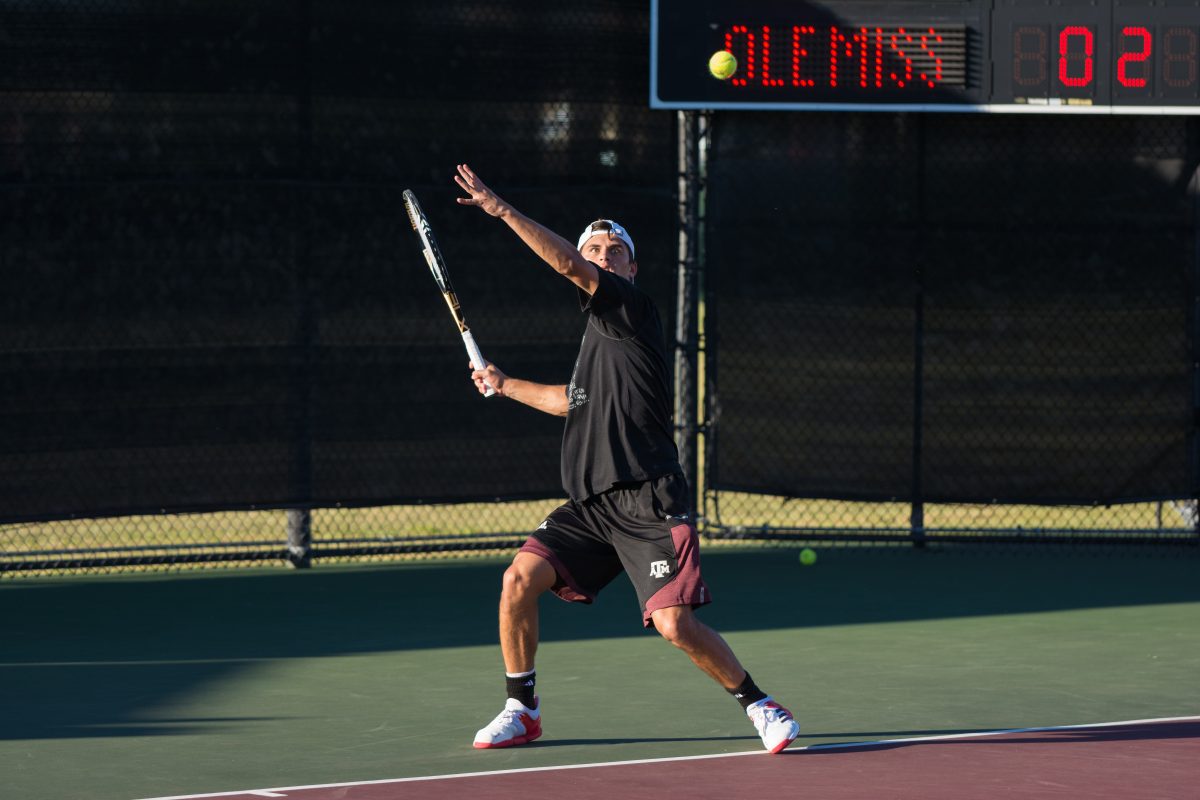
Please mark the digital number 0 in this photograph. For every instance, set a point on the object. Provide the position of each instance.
(1066, 58)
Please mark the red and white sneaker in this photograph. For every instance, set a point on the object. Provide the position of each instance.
(774, 724)
(516, 724)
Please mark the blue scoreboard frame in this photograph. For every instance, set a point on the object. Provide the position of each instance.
(1057, 56)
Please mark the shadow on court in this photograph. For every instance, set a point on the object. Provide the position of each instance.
(87, 657)
(1130, 732)
(544, 743)
(104, 700)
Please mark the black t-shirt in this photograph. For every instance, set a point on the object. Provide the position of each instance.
(619, 416)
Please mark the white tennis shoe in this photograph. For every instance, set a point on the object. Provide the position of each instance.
(774, 724)
(516, 724)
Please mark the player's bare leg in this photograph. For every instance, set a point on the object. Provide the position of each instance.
(525, 580)
(712, 654)
(704, 646)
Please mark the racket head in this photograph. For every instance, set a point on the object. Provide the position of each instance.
(433, 254)
(437, 266)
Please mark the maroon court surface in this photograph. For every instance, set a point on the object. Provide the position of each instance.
(1141, 759)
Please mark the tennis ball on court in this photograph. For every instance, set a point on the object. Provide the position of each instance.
(722, 64)
(808, 556)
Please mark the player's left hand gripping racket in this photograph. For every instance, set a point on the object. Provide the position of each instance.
(433, 256)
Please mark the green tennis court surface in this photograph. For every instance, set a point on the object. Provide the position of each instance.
(131, 687)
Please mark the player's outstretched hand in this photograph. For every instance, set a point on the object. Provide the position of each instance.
(480, 194)
(489, 376)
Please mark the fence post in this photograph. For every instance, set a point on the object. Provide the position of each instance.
(299, 520)
(687, 222)
(1194, 333)
(917, 516)
(299, 537)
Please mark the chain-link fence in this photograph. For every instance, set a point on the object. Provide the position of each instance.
(214, 305)
(952, 326)
(219, 342)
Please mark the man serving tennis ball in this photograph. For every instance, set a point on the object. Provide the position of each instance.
(629, 507)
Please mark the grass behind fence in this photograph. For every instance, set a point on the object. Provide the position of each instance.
(750, 511)
(448, 529)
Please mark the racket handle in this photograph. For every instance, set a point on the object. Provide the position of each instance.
(476, 359)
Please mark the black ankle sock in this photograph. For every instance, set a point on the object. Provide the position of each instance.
(747, 693)
(522, 688)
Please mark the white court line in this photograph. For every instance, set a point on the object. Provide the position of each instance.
(282, 791)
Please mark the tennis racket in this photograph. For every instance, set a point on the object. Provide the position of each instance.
(441, 276)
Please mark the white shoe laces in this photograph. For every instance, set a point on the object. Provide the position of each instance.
(767, 714)
(507, 718)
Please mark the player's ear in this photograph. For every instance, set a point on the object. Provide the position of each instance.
(632, 269)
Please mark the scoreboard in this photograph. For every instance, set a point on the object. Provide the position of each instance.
(1065, 56)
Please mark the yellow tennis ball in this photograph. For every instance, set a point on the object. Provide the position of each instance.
(808, 556)
(722, 64)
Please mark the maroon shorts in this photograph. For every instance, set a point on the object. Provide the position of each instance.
(643, 529)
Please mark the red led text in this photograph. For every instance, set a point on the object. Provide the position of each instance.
(1164, 59)
(807, 56)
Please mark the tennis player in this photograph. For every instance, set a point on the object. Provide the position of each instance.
(629, 508)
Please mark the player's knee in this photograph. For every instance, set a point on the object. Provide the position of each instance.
(676, 627)
(525, 579)
(516, 583)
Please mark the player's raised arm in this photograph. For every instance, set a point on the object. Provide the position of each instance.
(548, 245)
(549, 398)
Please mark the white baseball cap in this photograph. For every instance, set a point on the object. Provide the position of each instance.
(607, 227)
